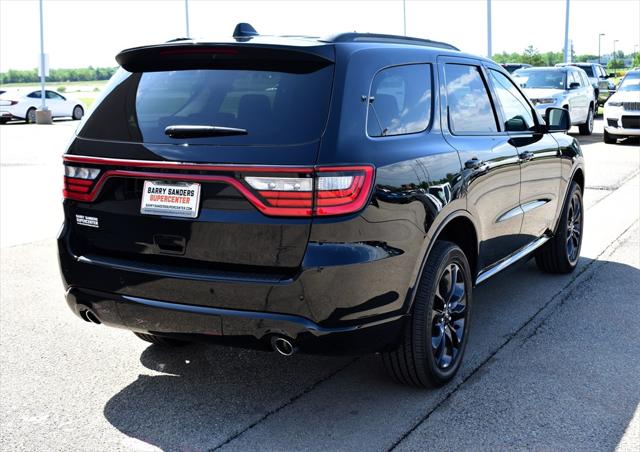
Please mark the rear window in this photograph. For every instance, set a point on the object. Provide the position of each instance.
(588, 70)
(274, 107)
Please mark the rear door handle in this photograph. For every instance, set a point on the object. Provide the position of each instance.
(526, 156)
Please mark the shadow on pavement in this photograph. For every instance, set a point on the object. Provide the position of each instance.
(206, 394)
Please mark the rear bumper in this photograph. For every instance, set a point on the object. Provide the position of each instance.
(346, 298)
(228, 326)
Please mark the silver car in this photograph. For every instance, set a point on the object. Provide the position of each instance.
(562, 87)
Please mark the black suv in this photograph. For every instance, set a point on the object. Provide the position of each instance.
(338, 195)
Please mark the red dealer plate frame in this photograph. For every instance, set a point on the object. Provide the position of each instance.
(164, 206)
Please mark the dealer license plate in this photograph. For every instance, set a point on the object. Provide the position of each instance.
(175, 199)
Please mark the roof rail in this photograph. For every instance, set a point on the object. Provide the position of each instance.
(391, 39)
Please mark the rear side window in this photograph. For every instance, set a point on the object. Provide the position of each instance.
(470, 110)
(276, 106)
(400, 101)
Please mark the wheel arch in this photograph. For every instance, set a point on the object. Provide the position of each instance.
(578, 177)
(459, 228)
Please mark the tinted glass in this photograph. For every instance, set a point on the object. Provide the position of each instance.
(470, 109)
(535, 78)
(275, 107)
(35, 95)
(401, 101)
(588, 70)
(517, 113)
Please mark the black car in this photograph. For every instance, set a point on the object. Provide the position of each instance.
(337, 195)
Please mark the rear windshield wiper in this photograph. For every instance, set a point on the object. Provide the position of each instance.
(196, 131)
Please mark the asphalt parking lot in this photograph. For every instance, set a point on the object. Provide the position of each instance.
(553, 361)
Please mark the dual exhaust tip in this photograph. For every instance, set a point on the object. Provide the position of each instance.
(279, 344)
(283, 345)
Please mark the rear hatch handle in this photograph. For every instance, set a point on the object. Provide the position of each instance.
(201, 131)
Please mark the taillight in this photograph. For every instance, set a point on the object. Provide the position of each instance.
(7, 103)
(78, 182)
(284, 191)
(329, 191)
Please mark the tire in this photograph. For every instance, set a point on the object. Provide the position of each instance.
(416, 361)
(159, 340)
(562, 252)
(3, 120)
(78, 112)
(587, 127)
(30, 117)
(608, 138)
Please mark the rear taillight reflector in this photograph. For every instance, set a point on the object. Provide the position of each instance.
(78, 182)
(330, 191)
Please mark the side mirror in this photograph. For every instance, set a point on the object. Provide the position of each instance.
(574, 85)
(557, 119)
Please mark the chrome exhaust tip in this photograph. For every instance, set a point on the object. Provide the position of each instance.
(89, 316)
(282, 345)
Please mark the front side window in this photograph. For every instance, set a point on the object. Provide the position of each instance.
(470, 109)
(400, 101)
(517, 112)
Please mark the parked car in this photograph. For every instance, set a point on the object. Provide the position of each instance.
(600, 80)
(293, 193)
(511, 67)
(18, 104)
(564, 87)
(622, 110)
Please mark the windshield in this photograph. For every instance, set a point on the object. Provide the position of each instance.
(630, 83)
(273, 105)
(541, 79)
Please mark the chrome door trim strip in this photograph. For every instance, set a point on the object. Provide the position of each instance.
(522, 209)
(512, 259)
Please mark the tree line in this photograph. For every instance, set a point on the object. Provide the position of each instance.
(86, 74)
(533, 57)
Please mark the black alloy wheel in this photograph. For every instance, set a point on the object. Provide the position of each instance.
(574, 228)
(448, 317)
(436, 333)
(562, 251)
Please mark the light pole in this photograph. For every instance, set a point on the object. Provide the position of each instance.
(614, 48)
(186, 16)
(566, 34)
(43, 116)
(404, 16)
(489, 50)
(599, 39)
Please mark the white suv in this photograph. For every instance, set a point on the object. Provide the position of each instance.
(622, 110)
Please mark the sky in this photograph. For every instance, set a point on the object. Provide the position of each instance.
(79, 33)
